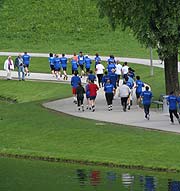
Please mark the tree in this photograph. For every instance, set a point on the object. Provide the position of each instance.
(155, 24)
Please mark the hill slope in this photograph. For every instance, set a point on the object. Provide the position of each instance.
(61, 26)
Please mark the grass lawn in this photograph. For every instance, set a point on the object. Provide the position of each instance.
(29, 129)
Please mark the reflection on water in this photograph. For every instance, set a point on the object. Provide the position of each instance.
(124, 181)
(25, 175)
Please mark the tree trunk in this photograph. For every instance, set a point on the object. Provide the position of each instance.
(171, 73)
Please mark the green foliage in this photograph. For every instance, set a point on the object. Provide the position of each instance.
(154, 23)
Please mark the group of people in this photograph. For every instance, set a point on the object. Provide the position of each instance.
(109, 79)
(21, 63)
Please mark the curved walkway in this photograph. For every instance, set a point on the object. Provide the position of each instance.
(135, 116)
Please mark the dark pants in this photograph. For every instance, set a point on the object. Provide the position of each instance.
(171, 112)
(109, 98)
(80, 100)
(100, 76)
(146, 109)
(124, 102)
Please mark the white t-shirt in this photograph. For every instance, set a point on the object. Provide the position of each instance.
(118, 69)
(124, 91)
(99, 69)
(125, 69)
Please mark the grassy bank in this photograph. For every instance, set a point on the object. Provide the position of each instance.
(29, 129)
(62, 26)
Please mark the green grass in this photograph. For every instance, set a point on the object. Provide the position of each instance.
(29, 129)
(62, 26)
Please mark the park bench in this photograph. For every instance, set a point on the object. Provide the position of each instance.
(159, 102)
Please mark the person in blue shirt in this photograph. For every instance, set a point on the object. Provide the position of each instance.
(57, 66)
(51, 63)
(88, 96)
(113, 77)
(97, 59)
(81, 63)
(26, 61)
(111, 64)
(74, 66)
(75, 80)
(109, 94)
(178, 100)
(105, 78)
(172, 102)
(130, 84)
(138, 85)
(63, 61)
(146, 97)
(88, 62)
(91, 76)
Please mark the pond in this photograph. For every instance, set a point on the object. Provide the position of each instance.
(26, 175)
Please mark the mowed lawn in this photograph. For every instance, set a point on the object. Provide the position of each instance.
(29, 129)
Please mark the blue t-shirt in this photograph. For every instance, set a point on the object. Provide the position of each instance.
(104, 79)
(110, 67)
(139, 85)
(80, 60)
(178, 100)
(63, 61)
(87, 63)
(97, 60)
(111, 61)
(172, 100)
(74, 81)
(113, 78)
(147, 97)
(108, 88)
(57, 64)
(74, 65)
(26, 59)
(87, 90)
(51, 61)
(130, 82)
(91, 77)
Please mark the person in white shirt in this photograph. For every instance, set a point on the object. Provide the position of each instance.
(99, 72)
(125, 69)
(124, 92)
(9, 66)
(118, 71)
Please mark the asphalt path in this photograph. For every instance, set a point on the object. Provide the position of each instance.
(159, 120)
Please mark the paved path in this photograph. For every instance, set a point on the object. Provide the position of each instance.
(134, 117)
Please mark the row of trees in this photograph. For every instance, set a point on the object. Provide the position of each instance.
(155, 23)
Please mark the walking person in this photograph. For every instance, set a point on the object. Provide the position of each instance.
(87, 62)
(109, 94)
(9, 66)
(146, 97)
(81, 63)
(138, 85)
(124, 92)
(93, 88)
(20, 66)
(51, 63)
(97, 59)
(75, 80)
(80, 96)
(26, 60)
(63, 61)
(99, 72)
(118, 71)
(88, 105)
(172, 102)
(57, 66)
(74, 66)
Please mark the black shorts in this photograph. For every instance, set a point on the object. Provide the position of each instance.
(57, 69)
(82, 67)
(87, 70)
(52, 67)
(138, 95)
(64, 68)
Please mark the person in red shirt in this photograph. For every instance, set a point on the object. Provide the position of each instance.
(93, 88)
